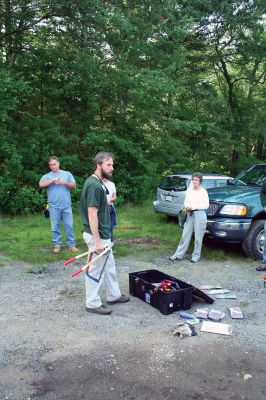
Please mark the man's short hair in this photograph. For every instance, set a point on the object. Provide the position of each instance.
(53, 158)
(100, 157)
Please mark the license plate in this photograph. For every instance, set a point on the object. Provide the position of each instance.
(168, 198)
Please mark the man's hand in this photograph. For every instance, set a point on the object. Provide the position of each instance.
(265, 208)
(59, 181)
(98, 247)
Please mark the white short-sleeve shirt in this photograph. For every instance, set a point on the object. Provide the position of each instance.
(111, 188)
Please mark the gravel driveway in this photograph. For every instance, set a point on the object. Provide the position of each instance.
(52, 349)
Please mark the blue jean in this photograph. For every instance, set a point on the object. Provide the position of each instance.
(264, 250)
(65, 215)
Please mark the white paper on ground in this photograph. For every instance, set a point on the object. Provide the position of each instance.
(216, 327)
(225, 296)
(218, 291)
(209, 287)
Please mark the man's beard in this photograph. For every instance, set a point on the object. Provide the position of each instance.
(105, 174)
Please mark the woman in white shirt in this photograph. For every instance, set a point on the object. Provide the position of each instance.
(196, 204)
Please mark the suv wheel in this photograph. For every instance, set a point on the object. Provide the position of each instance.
(253, 244)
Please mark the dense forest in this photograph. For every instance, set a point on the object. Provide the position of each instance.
(165, 85)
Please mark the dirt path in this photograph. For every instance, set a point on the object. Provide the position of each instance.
(52, 349)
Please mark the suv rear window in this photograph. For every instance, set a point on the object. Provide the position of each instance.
(175, 183)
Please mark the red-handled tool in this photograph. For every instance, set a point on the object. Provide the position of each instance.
(76, 258)
(87, 266)
(79, 256)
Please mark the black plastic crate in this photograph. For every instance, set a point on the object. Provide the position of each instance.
(144, 285)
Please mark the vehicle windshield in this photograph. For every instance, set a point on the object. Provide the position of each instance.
(174, 183)
(252, 176)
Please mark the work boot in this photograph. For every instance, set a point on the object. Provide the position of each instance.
(121, 299)
(261, 267)
(56, 250)
(74, 249)
(102, 310)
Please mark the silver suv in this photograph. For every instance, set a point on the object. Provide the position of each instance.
(172, 191)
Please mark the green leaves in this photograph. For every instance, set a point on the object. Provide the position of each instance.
(164, 86)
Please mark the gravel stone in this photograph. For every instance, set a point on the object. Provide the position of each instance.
(51, 349)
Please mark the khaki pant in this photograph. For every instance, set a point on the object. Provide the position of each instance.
(108, 277)
(196, 222)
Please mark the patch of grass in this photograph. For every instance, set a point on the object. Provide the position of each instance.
(121, 250)
(29, 239)
(139, 230)
(142, 222)
(213, 250)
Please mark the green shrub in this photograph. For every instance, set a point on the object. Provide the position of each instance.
(26, 201)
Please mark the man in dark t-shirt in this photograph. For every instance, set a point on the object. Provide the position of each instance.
(96, 233)
(93, 195)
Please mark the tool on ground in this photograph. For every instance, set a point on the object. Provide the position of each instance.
(92, 261)
(184, 314)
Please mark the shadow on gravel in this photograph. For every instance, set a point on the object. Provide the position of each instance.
(133, 374)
